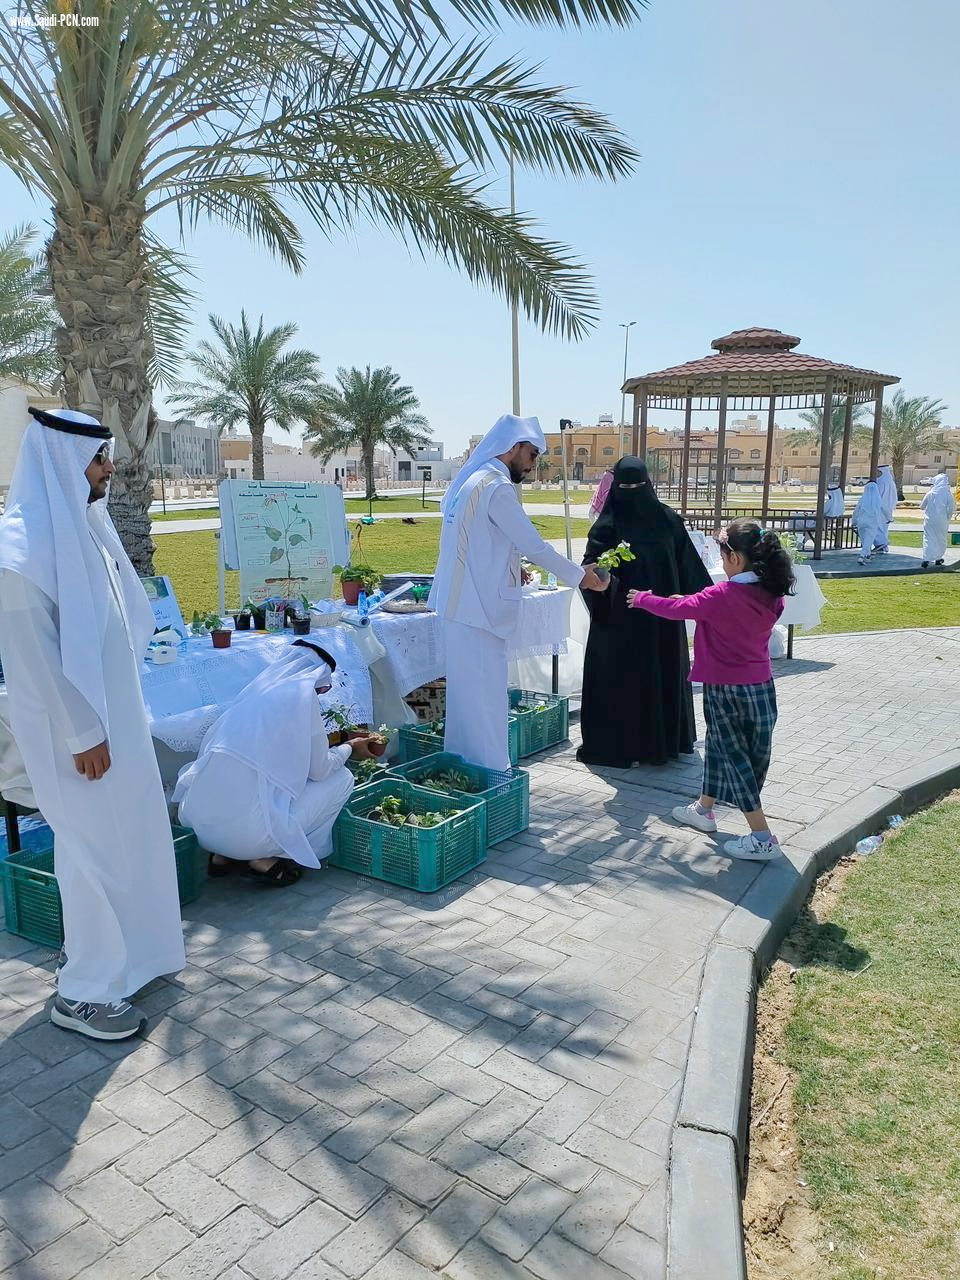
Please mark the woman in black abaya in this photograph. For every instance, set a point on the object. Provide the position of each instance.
(637, 704)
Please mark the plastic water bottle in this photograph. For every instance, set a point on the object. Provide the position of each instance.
(363, 607)
(894, 821)
(551, 582)
(869, 844)
(376, 597)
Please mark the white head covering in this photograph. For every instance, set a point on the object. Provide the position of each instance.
(833, 503)
(888, 490)
(501, 438)
(269, 727)
(45, 536)
(940, 500)
(869, 511)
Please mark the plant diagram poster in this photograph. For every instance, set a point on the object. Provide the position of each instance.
(284, 537)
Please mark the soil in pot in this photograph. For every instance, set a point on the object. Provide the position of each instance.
(221, 639)
(351, 591)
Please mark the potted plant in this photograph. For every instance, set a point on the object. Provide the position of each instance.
(212, 623)
(355, 578)
(343, 728)
(300, 617)
(256, 614)
(613, 558)
(243, 617)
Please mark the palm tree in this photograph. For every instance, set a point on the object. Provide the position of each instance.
(381, 111)
(26, 317)
(908, 425)
(249, 379)
(812, 433)
(369, 409)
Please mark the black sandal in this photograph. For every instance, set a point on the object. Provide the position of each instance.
(282, 873)
(217, 869)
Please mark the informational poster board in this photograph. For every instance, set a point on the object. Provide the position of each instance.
(163, 601)
(283, 536)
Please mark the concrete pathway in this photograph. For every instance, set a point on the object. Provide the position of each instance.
(350, 1080)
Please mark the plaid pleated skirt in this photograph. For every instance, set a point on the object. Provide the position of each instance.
(740, 719)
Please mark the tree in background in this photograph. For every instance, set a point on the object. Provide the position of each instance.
(908, 424)
(26, 317)
(369, 409)
(390, 112)
(246, 378)
(812, 433)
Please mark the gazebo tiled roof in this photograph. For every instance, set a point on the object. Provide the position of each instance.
(757, 363)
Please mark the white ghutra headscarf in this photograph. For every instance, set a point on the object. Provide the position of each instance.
(940, 500)
(48, 534)
(502, 436)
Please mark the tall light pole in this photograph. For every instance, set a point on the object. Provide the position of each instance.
(514, 312)
(623, 395)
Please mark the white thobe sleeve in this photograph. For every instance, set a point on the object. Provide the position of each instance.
(510, 518)
(31, 658)
(325, 759)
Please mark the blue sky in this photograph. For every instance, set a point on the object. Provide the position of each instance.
(799, 170)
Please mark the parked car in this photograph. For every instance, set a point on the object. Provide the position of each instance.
(927, 480)
(794, 484)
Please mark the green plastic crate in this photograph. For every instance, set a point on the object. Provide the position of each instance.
(506, 795)
(540, 729)
(417, 740)
(415, 857)
(31, 896)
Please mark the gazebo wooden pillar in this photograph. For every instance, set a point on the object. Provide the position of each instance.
(845, 457)
(824, 466)
(877, 423)
(685, 462)
(768, 459)
(720, 485)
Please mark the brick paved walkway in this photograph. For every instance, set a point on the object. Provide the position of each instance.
(353, 1081)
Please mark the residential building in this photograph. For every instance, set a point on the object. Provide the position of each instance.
(185, 450)
(15, 398)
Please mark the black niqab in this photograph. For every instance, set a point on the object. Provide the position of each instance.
(637, 704)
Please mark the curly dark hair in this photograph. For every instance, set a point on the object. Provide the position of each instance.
(763, 554)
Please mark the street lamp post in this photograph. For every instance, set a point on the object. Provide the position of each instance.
(623, 395)
(514, 311)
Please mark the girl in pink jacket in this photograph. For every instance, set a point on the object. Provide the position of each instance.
(731, 657)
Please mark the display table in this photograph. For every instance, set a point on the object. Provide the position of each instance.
(413, 642)
(802, 609)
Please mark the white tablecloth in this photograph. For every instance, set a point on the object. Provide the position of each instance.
(802, 609)
(185, 697)
(414, 645)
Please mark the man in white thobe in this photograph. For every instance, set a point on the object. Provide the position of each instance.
(75, 626)
(478, 585)
(267, 786)
(887, 488)
(938, 507)
(868, 519)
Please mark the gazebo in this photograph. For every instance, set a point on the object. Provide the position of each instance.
(753, 368)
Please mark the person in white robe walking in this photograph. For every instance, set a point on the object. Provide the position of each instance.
(478, 585)
(887, 487)
(833, 502)
(266, 787)
(938, 508)
(868, 519)
(75, 626)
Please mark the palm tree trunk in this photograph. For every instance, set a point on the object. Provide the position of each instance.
(98, 273)
(368, 468)
(256, 447)
(898, 459)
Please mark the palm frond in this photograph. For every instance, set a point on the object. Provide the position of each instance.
(171, 301)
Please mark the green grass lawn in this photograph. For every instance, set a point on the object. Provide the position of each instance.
(192, 513)
(873, 1038)
(883, 604)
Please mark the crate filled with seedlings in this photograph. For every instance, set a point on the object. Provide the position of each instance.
(543, 719)
(31, 895)
(418, 740)
(394, 831)
(506, 795)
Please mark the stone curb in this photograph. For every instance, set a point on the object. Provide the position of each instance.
(708, 1150)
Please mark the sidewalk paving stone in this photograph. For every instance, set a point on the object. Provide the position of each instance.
(354, 1080)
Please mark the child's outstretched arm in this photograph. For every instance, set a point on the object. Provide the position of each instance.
(679, 608)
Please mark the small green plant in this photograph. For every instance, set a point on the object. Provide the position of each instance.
(205, 622)
(392, 813)
(368, 577)
(448, 780)
(615, 556)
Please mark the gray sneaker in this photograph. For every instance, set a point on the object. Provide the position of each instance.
(115, 1021)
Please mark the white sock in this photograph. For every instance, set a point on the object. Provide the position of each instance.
(698, 808)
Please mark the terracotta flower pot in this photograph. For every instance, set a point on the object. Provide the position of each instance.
(351, 591)
(377, 748)
(221, 639)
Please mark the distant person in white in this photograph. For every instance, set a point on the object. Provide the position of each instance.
(478, 585)
(266, 788)
(938, 507)
(833, 503)
(75, 626)
(868, 519)
(887, 487)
